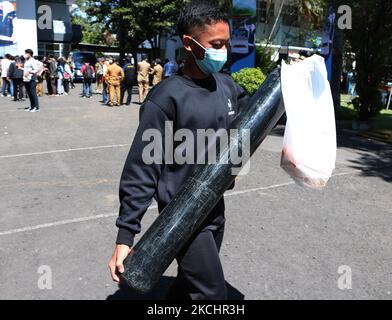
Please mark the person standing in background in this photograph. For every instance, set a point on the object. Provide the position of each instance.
(88, 76)
(30, 71)
(99, 72)
(143, 72)
(105, 87)
(46, 75)
(40, 77)
(157, 72)
(52, 75)
(68, 77)
(114, 76)
(60, 76)
(170, 69)
(11, 83)
(71, 65)
(5, 64)
(128, 81)
(16, 76)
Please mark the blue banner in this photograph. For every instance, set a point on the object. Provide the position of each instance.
(243, 31)
(8, 41)
(327, 42)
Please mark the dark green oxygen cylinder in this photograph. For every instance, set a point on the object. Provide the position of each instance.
(175, 225)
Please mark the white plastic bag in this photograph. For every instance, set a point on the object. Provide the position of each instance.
(309, 145)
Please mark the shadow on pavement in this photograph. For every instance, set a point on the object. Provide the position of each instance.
(375, 156)
(160, 291)
(373, 165)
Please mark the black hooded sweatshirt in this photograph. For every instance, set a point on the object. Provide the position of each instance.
(210, 103)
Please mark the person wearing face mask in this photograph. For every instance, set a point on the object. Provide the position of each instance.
(200, 99)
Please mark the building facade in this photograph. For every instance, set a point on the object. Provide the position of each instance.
(43, 26)
(290, 29)
(55, 31)
(286, 35)
(18, 29)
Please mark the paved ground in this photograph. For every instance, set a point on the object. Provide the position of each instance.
(59, 178)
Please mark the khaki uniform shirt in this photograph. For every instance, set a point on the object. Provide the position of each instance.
(143, 71)
(114, 74)
(158, 74)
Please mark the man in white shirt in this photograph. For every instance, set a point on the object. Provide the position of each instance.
(30, 71)
(5, 65)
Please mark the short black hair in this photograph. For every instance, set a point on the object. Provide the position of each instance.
(29, 51)
(199, 13)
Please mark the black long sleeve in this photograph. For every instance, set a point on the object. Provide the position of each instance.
(139, 181)
(211, 103)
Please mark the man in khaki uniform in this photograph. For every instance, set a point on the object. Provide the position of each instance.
(157, 72)
(143, 72)
(114, 76)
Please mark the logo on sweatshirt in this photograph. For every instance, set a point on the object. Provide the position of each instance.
(230, 107)
(205, 146)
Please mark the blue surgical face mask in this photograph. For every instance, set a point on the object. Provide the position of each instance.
(213, 61)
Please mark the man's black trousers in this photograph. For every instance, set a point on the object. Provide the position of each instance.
(18, 89)
(128, 89)
(200, 274)
(31, 89)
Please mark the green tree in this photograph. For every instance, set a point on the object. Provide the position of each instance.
(313, 11)
(135, 21)
(371, 40)
(310, 12)
(93, 31)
